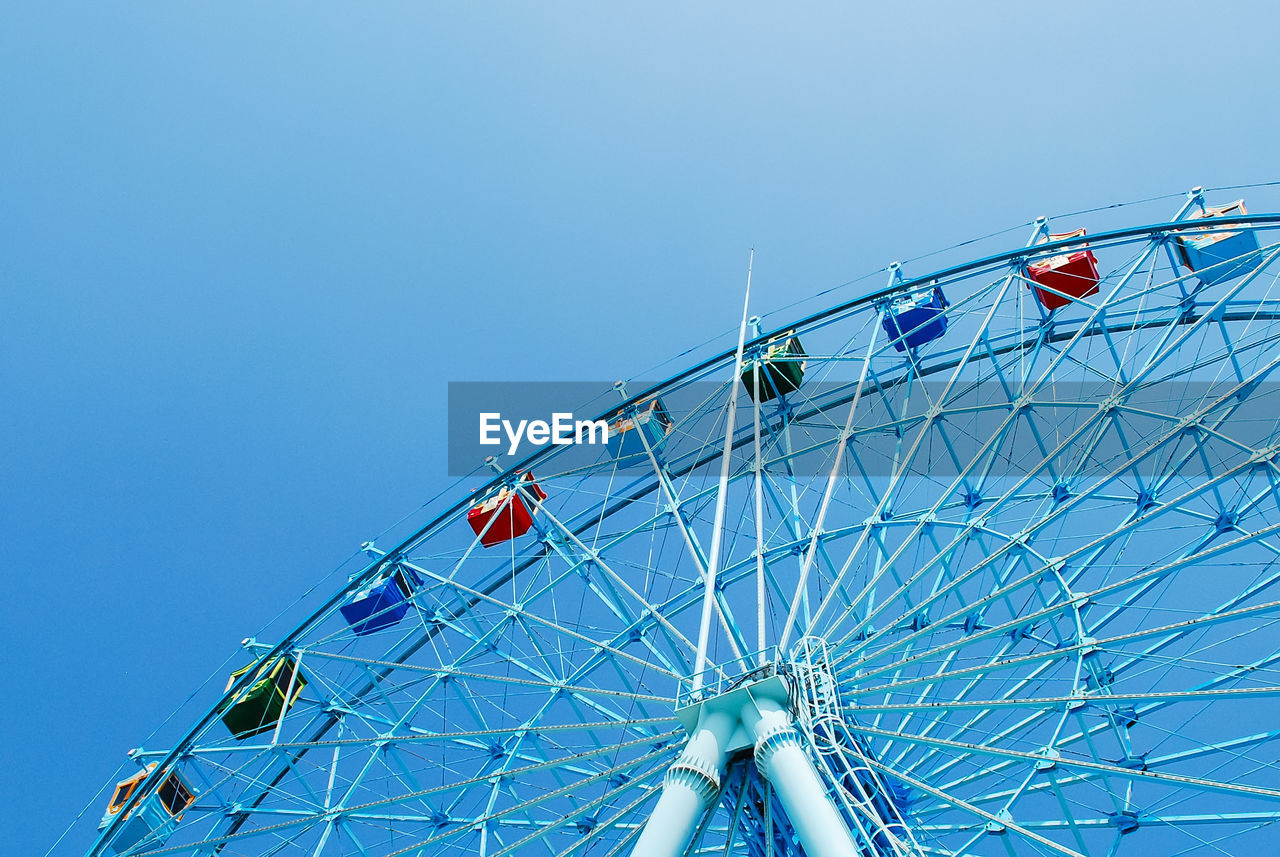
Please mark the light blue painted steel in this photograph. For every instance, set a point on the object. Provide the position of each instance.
(1027, 644)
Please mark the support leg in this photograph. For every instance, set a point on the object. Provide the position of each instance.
(784, 763)
(689, 789)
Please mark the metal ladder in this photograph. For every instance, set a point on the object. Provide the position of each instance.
(859, 790)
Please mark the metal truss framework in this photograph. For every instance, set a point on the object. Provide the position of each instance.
(1012, 591)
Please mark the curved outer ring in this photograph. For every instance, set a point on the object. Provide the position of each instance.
(359, 580)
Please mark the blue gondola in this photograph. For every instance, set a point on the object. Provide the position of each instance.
(916, 319)
(155, 818)
(1216, 257)
(382, 603)
(651, 420)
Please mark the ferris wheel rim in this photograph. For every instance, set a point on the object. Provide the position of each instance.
(363, 576)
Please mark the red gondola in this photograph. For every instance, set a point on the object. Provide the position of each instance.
(508, 511)
(1067, 277)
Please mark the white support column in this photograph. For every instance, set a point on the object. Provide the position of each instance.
(750, 715)
(784, 763)
(689, 788)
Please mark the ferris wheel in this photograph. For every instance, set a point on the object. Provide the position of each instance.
(984, 562)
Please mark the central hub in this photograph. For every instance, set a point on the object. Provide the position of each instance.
(731, 704)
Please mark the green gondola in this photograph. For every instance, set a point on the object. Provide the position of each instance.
(781, 368)
(258, 707)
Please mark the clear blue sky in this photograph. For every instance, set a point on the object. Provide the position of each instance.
(245, 245)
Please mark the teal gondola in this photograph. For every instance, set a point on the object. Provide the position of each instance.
(1217, 256)
(155, 817)
(650, 420)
